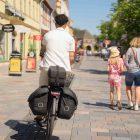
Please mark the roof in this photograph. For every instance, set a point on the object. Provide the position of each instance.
(83, 34)
(88, 35)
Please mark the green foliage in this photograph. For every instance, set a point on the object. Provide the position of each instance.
(125, 19)
(96, 47)
(128, 15)
(32, 48)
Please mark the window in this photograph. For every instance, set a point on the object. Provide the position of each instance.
(21, 4)
(29, 8)
(34, 9)
(24, 6)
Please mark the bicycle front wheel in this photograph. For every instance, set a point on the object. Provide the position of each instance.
(51, 119)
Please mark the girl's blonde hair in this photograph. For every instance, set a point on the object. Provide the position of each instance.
(114, 60)
(135, 42)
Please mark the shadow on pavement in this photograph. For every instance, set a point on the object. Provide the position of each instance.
(100, 104)
(96, 104)
(94, 71)
(25, 130)
(104, 81)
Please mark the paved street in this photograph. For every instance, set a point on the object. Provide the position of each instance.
(93, 120)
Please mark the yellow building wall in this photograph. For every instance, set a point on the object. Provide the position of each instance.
(2, 6)
(31, 11)
(17, 37)
(17, 4)
(7, 44)
(11, 2)
(22, 6)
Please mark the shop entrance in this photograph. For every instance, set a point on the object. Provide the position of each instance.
(2, 48)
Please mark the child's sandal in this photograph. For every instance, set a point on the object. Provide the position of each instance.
(119, 105)
(111, 106)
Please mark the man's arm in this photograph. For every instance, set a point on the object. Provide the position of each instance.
(42, 51)
(71, 54)
(43, 46)
(71, 51)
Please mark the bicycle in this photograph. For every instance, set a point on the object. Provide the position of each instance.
(48, 121)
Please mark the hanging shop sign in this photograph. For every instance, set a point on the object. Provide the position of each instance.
(38, 37)
(8, 28)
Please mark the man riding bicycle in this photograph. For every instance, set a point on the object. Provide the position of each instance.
(58, 46)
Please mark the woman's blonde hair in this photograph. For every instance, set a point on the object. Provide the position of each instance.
(135, 42)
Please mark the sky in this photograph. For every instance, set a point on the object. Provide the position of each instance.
(88, 14)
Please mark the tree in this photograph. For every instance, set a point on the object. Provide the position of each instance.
(125, 20)
(128, 15)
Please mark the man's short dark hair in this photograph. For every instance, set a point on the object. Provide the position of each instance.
(61, 19)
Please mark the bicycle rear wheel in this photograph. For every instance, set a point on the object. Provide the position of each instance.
(51, 119)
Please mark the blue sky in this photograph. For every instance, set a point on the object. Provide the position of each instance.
(88, 14)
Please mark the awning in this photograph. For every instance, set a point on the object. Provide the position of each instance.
(22, 29)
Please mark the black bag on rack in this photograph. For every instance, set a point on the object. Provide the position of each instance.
(67, 104)
(56, 76)
(38, 100)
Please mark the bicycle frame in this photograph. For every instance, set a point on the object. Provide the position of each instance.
(52, 109)
(51, 116)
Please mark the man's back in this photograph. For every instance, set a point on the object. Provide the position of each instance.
(58, 45)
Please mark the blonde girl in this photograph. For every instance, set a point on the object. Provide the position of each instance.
(115, 69)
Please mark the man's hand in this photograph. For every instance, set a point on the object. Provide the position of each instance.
(71, 55)
(42, 50)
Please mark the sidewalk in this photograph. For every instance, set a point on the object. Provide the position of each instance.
(14, 92)
(93, 119)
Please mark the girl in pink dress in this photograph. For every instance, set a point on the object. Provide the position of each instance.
(115, 69)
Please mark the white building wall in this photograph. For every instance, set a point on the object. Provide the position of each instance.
(64, 8)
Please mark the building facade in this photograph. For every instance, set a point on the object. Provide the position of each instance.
(62, 7)
(47, 15)
(31, 18)
(25, 16)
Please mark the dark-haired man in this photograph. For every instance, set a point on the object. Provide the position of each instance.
(59, 45)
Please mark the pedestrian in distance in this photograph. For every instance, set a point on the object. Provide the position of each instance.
(115, 69)
(132, 62)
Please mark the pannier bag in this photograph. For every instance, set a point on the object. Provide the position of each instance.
(56, 76)
(38, 101)
(67, 104)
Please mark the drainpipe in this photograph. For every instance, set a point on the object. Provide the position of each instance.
(52, 12)
(40, 13)
(51, 18)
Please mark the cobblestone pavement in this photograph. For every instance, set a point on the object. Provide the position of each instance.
(93, 119)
